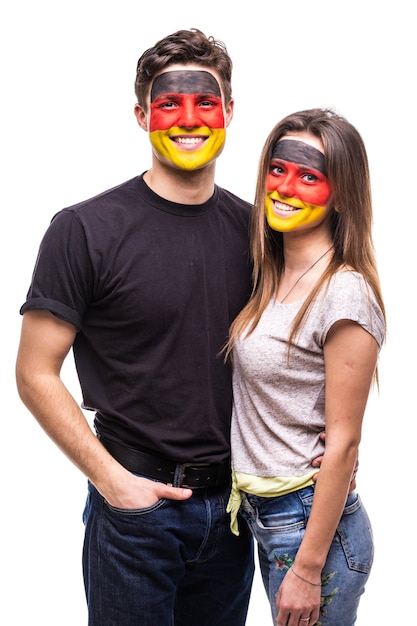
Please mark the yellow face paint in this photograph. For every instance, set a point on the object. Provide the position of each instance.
(285, 216)
(176, 151)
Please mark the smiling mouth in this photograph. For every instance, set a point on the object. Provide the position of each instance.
(189, 141)
(281, 207)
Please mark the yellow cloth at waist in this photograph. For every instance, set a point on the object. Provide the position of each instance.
(264, 486)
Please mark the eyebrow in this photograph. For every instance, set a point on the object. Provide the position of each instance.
(300, 152)
(185, 81)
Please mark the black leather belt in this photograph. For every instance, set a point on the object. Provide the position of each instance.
(190, 475)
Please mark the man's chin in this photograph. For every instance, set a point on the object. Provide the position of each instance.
(189, 162)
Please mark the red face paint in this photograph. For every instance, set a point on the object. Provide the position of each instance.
(294, 181)
(186, 111)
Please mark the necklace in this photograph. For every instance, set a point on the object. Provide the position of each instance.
(304, 273)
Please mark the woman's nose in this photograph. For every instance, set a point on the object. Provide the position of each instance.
(286, 186)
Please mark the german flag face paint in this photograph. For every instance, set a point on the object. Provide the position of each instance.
(187, 122)
(297, 188)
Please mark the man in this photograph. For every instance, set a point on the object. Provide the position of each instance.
(142, 282)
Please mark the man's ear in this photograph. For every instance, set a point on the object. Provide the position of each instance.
(141, 117)
(229, 113)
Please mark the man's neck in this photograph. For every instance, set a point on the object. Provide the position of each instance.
(184, 187)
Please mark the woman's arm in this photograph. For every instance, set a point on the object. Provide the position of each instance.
(350, 355)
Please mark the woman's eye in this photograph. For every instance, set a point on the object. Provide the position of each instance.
(310, 178)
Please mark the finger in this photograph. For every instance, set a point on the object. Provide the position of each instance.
(317, 461)
(174, 493)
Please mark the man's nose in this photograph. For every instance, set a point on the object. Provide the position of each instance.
(188, 117)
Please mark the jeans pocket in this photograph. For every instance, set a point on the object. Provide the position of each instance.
(274, 516)
(101, 504)
(355, 534)
(141, 511)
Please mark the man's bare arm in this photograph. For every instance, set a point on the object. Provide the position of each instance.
(45, 343)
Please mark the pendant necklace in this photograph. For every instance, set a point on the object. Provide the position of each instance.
(304, 273)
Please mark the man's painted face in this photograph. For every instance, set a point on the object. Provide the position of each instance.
(297, 188)
(187, 124)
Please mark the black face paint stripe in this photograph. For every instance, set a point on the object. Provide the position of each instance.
(185, 81)
(300, 152)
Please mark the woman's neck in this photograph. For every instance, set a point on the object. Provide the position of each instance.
(305, 259)
(299, 255)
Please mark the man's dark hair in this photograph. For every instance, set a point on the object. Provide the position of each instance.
(184, 47)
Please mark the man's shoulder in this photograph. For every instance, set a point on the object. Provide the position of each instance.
(230, 198)
(122, 190)
(103, 207)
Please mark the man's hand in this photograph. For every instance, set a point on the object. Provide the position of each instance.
(135, 492)
(317, 462)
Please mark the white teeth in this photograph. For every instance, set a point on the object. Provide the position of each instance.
(189, 140)
(280, 206)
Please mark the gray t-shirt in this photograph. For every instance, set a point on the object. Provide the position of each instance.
(278, 411)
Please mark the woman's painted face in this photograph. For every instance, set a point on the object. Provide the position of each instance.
(187, 122)
(297, 188)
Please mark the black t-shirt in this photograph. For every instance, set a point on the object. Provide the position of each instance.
(152, 287)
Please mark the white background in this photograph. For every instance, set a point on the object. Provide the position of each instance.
(68, 132)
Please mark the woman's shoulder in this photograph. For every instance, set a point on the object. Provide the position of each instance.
(348, 295)
(348, 281)
(349, 287)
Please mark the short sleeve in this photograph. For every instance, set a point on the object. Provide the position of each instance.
(348, 296)
(62, 278)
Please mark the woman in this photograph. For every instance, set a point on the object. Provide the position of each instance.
(305, 352)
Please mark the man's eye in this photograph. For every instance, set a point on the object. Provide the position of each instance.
(207, 103)
(167, 105)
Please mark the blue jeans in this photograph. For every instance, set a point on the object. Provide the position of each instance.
(278, 524)
(175, 562)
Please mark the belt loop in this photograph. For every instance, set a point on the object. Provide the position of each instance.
(178, 475)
